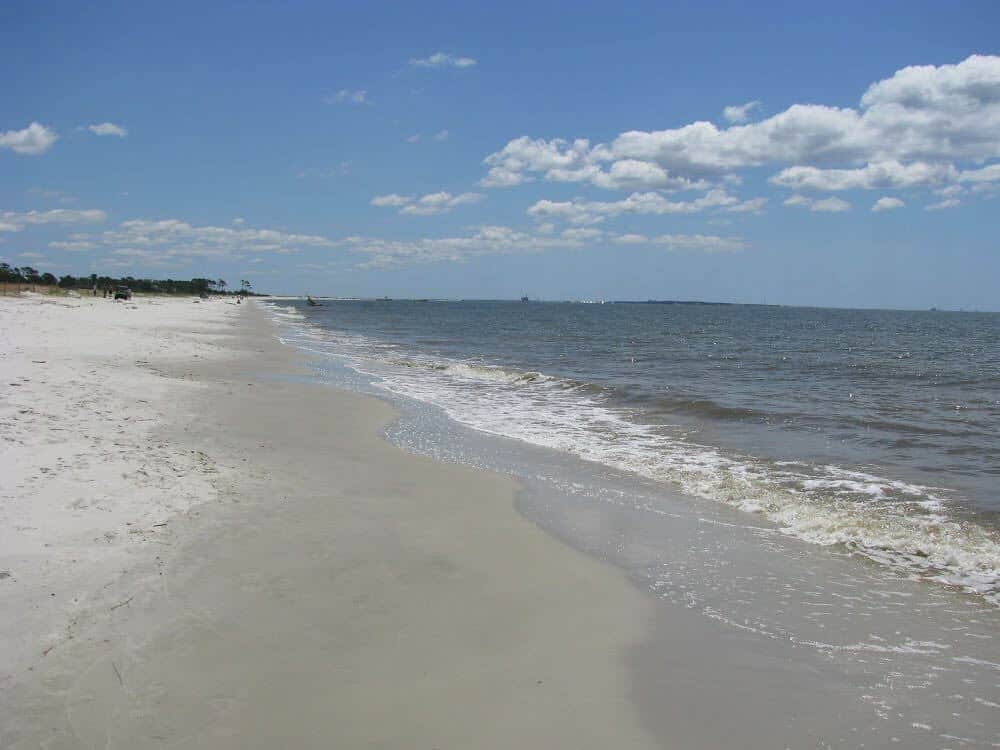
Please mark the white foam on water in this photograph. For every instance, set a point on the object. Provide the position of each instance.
(902, 525)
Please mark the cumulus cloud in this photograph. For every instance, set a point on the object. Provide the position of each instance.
(31, 141)
(108, 128)
(875, 176)
(427, 205)
(887, 204)
(586, 212)
(740, 113)
(442, 60)
(910, 129)
(346, 96)
(563, 161)
(831, 205)
(986, 174)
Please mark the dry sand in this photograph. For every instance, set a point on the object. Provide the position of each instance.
(313, 586)
(86, 480)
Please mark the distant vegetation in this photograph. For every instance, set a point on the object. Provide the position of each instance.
(29, 275)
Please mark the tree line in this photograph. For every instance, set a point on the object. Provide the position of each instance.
(29, 275)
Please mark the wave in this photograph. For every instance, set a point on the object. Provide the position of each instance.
(474, 372)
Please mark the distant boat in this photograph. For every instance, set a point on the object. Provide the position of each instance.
(313, 303)
(524, 298)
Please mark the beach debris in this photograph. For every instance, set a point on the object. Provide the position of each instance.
(122, 604)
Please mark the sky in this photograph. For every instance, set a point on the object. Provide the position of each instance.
(792, 153)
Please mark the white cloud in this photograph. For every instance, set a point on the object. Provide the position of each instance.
(108, 128)
(54, 216)
(578, 211)
(942, 205)
(438, 137)
(832, 205)
(392, 199)
(427, 205)
(488, 240)
(740, 113)
(630, 239)
(874, 176)
(986, 174)
(31, 256)
(707, 243)
(798, 200)
(31, 141)
(442, 60)
(346, 96)
(73, 246)
(581, 233)
(561, 161)
(909, 129)
(949, 191)
(173, 241)
(887, 204)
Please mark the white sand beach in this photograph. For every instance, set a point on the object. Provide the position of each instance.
(88, 485)
(201, 554)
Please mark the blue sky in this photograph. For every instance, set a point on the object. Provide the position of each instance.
(567, 151)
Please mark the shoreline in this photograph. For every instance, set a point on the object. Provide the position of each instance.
(332, 588)
(273, 619)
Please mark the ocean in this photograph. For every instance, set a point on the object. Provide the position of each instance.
(818, 477)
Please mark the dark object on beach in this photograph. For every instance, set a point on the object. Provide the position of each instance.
(312, 303)
(123, 292)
